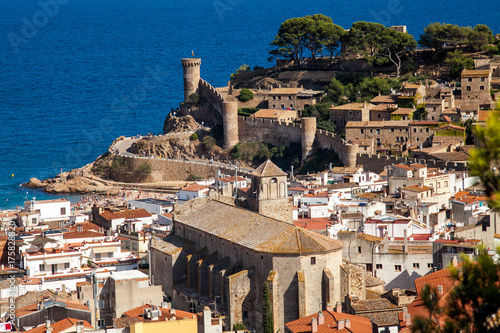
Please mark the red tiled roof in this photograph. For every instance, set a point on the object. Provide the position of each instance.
(166, 314)
(60, 326)
(126, 213)
(441, 278)
(194, 187)
(416, 188)
(83, 234)
(403, 166)
(33, 307)
(358, 324)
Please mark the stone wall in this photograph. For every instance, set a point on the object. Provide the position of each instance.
(169, 169)
(268, 131)
(376, 163)
(208, 92)
(346, 152)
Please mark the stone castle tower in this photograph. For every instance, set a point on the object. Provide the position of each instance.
(191, 71)
(268, 195)
(308, 134)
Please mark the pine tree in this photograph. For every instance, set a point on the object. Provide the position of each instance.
(267, 313)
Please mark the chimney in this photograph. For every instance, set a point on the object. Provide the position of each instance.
(314, 325)
(49, 328)
(440, 290)
(340, 325)
(364, 104)
(329, 307)
(454, 261)
(79, 326)
(338, 308)
(347, 323)
(407, 319)
(405, 235)
(386, 242)
(321, 318)
(63, 288)
(172, 311)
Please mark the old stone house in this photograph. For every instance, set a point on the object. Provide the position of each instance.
(342, 114)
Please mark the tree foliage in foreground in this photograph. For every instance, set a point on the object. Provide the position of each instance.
(485, 160)
(473, 304)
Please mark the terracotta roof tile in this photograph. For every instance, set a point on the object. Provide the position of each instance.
(268, 169)
(60, 326)
(33, 307)
(194, 187)
(82, 234)
(252, 230)
(475, 73)
(358, 324)
(137, 315)
(126, 213)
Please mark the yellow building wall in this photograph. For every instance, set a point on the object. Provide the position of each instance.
(175, 326)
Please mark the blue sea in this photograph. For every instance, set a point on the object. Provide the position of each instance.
(76, 74)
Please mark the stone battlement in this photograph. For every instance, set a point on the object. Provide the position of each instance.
(208, 92)
(191, 62)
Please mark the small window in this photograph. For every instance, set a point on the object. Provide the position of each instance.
(378, 131)
(369, 267)
(397, 268)
(378, 116)
(361, 131)
(42, 268)
(379, 266)
(359, 249)
(100, 323)
(427, 130)
(418, 139)
(313, 260)
(63, 210)
(468, 88)
(481, 87)
(371, 130)
(289, 97)
(66, 265)
(392, 130)
(416, 265)
(429, 265)
(482, 79)
(414, 130)
(469, 79)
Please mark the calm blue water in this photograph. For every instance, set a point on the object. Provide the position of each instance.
(89, 71)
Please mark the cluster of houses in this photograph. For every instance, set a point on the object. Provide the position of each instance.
(345, 249)
(127, 267)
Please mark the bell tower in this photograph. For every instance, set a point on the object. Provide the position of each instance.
(269, 193)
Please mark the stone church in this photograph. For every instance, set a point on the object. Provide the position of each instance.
(218, 253)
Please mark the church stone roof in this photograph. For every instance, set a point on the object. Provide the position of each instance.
(252, 230)
(268, 169)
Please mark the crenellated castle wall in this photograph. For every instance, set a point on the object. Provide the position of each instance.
(376, 163)
(208, 92)
(272, 132)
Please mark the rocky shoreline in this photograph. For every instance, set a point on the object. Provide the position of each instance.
(79, 181)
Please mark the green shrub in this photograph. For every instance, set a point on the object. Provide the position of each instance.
(144, 169)
(194, 98)
(245, 95)
(193, 137)
(247, 112)
(208, 142)
(193, 177)
(239, 327)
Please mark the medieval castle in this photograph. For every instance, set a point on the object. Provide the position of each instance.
(237, 128)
